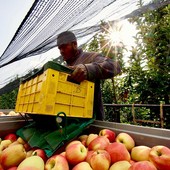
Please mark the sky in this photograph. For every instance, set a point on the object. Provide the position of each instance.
(12, 12)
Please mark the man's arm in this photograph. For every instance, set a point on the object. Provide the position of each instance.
(102, 68)
(94, 66)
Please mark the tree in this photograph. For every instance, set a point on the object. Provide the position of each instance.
(149, 75)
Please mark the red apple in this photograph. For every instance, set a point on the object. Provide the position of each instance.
(160, 157)
(27, 146)
(1, 167)
(76, 153)
(140, 153)
(41, 153)
(118, 152)
(143, 165)
(100, 142)
(111, 135)
(58, 162)
(13, 168)
(100, 159)
(82, 166)
(90, 138)
(120, 165)
(126, 139)
(31, 163)
(72, 142)
(12, 156)
(11, 136)
(132, 162)
(89, 154)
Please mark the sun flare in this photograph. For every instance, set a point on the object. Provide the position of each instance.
(118, 35)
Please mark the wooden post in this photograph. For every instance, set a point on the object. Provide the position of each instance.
(133, 113)
(161, 115)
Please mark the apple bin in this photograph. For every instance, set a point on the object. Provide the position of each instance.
(142, 135)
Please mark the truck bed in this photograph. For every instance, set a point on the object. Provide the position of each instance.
(142, 135)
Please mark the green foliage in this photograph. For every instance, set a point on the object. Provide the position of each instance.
(148, 76)
(8, 100)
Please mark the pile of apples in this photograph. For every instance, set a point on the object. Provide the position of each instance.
(102, 151)
(11, 113)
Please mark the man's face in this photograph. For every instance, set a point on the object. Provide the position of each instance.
(67, 51)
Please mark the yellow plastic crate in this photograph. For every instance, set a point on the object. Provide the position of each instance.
(51, 92)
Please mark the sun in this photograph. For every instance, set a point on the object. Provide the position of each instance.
(112, 42)
(115, 37)
(118, 34)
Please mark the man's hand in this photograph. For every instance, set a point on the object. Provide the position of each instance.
(80, 73)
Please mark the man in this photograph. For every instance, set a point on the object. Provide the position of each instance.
(90, 66)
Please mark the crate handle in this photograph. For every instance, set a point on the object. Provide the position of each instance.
(71, 80)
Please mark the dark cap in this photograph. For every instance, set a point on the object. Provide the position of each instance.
(65, 38)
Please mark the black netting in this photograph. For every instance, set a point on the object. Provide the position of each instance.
(47, 18)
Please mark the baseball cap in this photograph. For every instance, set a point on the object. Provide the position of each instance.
(65, 38)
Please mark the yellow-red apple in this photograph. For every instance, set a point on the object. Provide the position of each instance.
(100, 159)
(32, 163)
(21, 141)
(111, 135)
(72, 142)
(2, 114)
(76, 153)
(120, 165)
(14, 143)
(140, 153)
(29, 153)
(5, 143)
(160, 157)
(125, 139)
(143, 165)
(100, 142)
(90, 138)
(41, 153)
(83, 138)
(57, 162)
(82, 166)
(63, 153)
(12, 156)
(118, 152)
